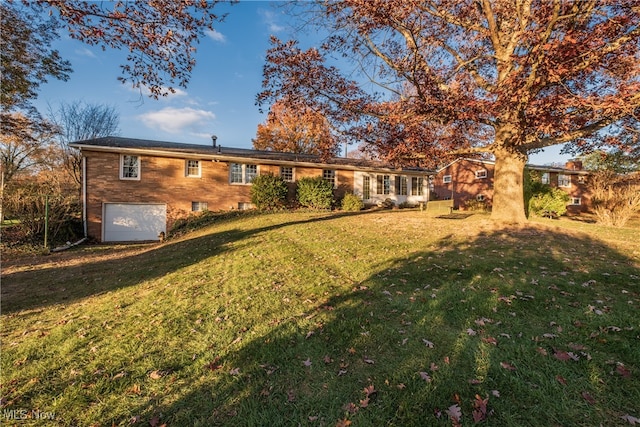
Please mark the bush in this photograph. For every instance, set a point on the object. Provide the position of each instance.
(315, 193)
(352, 203)
(474, 205)
(615, 198)
(269, 192)
(545, 200)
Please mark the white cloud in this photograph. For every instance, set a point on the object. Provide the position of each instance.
(216, 36)
(270, 18)
(83, 51)
(178, 120)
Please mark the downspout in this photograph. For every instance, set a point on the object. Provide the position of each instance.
(84, 195)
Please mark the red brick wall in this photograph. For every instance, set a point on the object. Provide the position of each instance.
(464, 185)
(163, 180)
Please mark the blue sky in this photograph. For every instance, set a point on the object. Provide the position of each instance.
(220, 98)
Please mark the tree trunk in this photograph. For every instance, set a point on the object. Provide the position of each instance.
(508, 194)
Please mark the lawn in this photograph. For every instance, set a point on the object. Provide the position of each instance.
(322, 319)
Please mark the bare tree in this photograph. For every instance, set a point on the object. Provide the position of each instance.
(79, 121)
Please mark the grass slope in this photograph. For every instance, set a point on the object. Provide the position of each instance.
(378, 318)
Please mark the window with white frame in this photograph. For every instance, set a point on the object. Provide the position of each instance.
(582, 179)
(446, 179)
(383, 184)
(545, 178)
(366, 187)
(417, 184)
(482, 173)
(199, 206)
(241, 173)
(401, 185)
(192, 168)
(129, 167)
(564, 180)
(286, 173)
(329, 175)
(576, 201)
(480, 197)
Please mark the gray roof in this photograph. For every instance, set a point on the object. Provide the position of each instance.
(113, 142)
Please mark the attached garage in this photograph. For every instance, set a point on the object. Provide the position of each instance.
(126, 222)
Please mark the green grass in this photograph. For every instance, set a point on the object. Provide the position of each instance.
(319, 318)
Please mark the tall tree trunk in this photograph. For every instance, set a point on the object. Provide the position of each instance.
(508, 194)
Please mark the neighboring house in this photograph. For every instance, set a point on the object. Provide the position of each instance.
(136, 189)
(465, 180)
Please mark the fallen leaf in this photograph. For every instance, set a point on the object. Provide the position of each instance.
(307, 362)
(561, 379)
(541, 351)
(235, 371)
(350, 408)
(471, 332)
(154, 375)
(433, 367)
(490, 340)
(507, 366)
(496, 393)
(352, 350)
(620, 369)
(401, 386)
(327, 359)
(369, 361)
(369, 390)
(425, 377)
(364, 403)
(586, 396)
(313, 418)
(343, 423)
(427, 343)
(455, 413)
(479, 409)
(631, 420)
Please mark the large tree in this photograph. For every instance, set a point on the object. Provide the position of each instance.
(298, 130)
(160, 36)
(503, 77)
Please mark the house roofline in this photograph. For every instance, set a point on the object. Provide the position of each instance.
(217, 154)
(527, 166)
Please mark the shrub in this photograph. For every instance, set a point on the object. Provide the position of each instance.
(352, 203)
(269, 192)
(545, 199)
(474, 205)
(315, 193)
(615, 198)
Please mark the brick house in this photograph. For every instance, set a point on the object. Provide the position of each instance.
(465, 180)
(135, 189)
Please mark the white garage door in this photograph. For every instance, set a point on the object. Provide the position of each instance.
(125, 222)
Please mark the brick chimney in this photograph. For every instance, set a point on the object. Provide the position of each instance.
(574, 165)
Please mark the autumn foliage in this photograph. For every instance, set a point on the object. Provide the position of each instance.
(505, 78)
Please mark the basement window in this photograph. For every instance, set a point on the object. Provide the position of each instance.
(199, 206)
(482, 173)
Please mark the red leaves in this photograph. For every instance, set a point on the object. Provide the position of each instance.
(479, 409)
(507, 366)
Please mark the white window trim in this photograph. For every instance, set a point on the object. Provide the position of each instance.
(568, 178)
(481, 174)
(186, 168)
(335, 177)
(545, 178)
(293, 173)
(446, 179)
(201, 206)
(130, 178)
(480, 198)
(244, 173)
(574, 200)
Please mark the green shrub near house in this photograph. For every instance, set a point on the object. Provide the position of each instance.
(315, 193)
(547, 200)
(351, 203)
(269, 192)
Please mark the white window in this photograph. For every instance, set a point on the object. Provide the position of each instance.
(286, 173)
(482, 173)
(129, 167)
(242, 174)
(384, 184)
(480, 197)
(545, 178)
(582, 179)
(401, 185)
(192, 168)
(366, 187)
(446, 179)
(564, 180)
(417, 186)
(329, 175)
(576, 201)
(199, 206)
